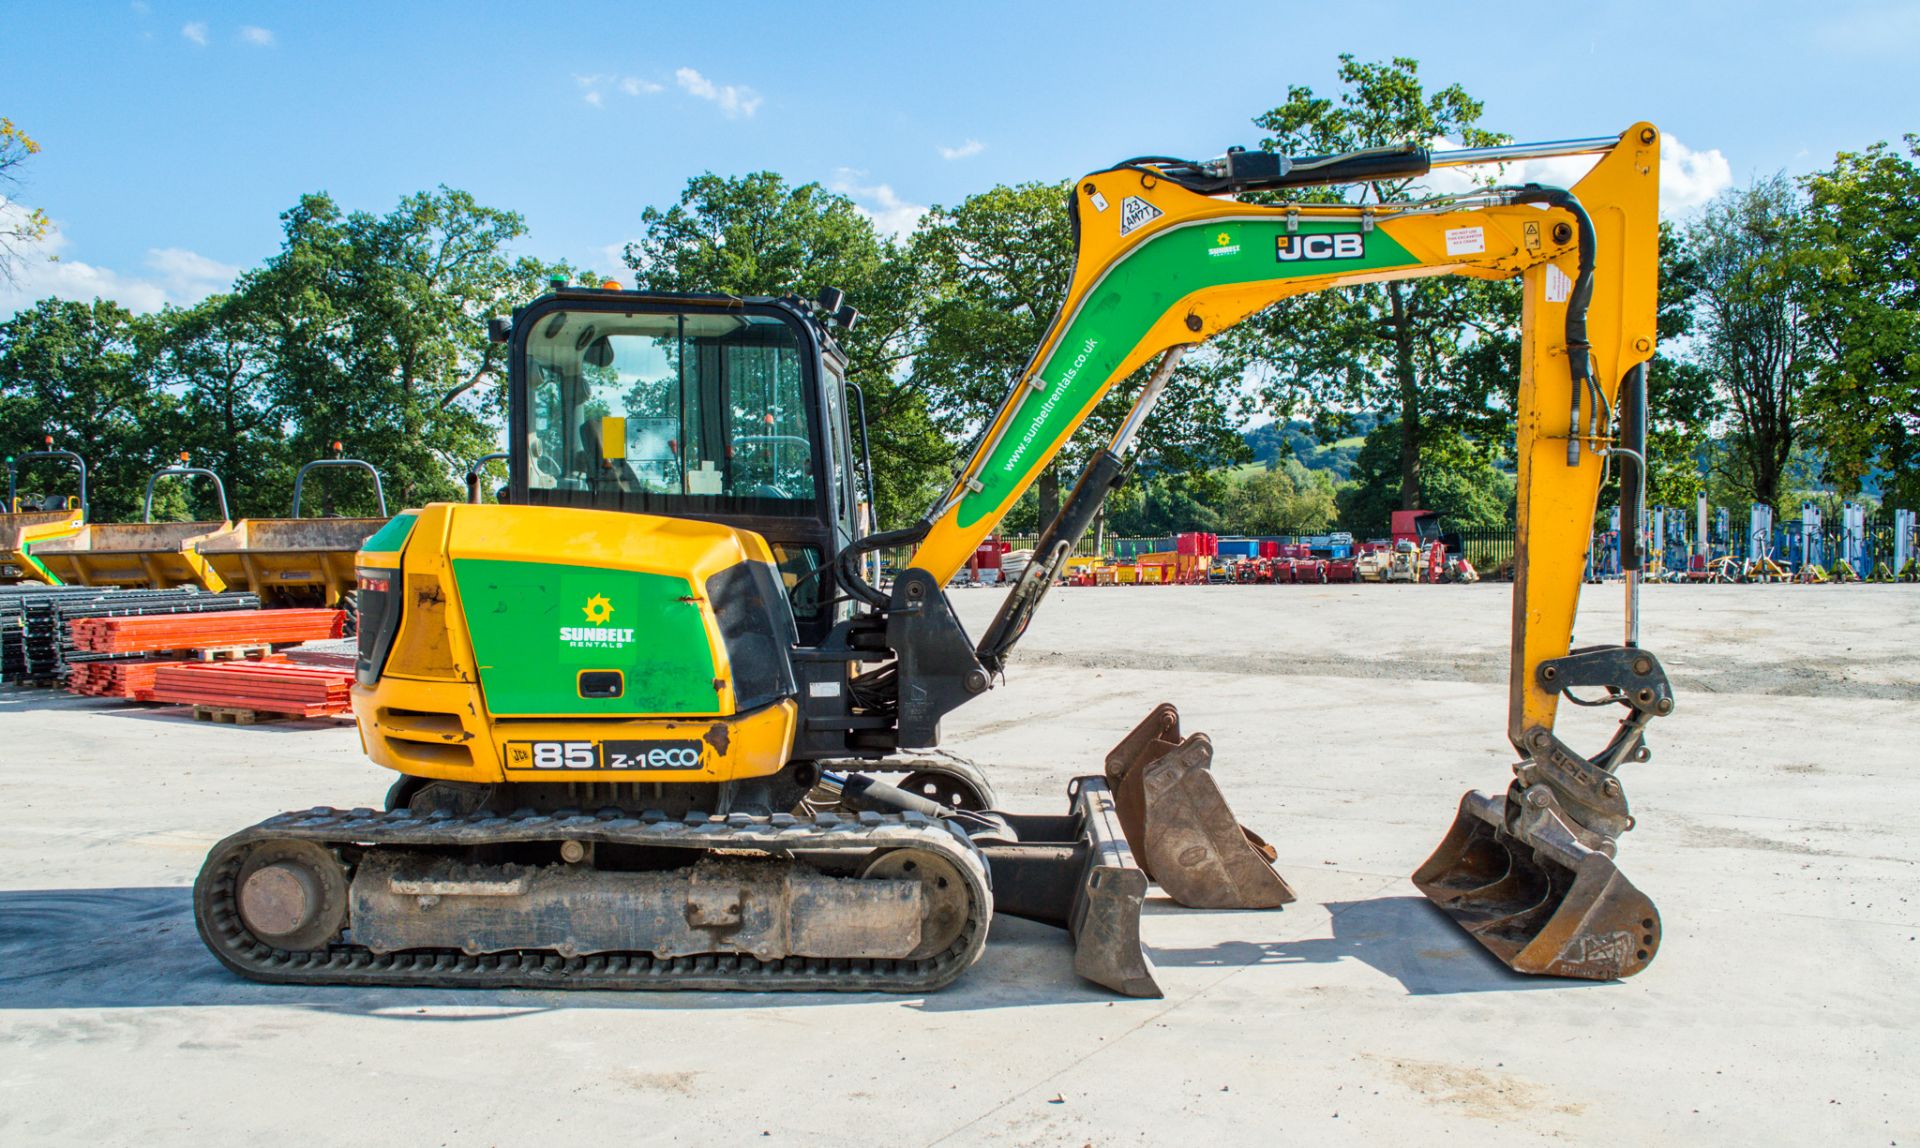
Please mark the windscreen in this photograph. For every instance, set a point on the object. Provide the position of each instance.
(648, 410)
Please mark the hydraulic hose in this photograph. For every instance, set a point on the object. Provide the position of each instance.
(1579, 349)
(848, 560)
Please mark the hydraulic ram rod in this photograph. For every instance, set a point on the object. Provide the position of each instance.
(1503, 153)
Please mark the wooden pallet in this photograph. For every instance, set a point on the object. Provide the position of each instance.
(230, 653)
(229, 716)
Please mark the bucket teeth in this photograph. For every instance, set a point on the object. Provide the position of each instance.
(1538, 899)
(1180, 826)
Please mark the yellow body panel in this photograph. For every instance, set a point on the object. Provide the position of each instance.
(135, 555)
(280, 558)
(1557, 502)
(21, 531)
(427, 715)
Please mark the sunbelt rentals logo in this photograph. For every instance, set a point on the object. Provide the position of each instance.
(599, 635)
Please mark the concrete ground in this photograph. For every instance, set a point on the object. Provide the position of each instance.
(1776, 835)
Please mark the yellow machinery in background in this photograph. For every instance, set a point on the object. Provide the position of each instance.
(144, 554)
(296, 561)
(30, 522)
(642, 712)
(291, 561)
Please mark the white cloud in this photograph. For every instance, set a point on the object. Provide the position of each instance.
(170, 275)
(1688, 178)
(257, 36)
(734, 101)
(196, 31)
(970, 148)
(878, 202)
(190, 271)
(595, 88)
(140, 7)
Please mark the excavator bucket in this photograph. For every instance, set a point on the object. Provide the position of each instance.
(1537, 897)
(1178, 823)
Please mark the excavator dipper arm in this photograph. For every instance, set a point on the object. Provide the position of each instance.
(1166, 259)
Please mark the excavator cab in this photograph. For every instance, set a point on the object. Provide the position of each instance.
(705, 407)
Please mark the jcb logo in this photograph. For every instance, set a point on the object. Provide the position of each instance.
(1349, 245)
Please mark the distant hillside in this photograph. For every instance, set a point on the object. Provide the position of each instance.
(1296, 439)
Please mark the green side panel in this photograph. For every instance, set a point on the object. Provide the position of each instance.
(1136, 292)
(53, 579)
(536, 625)
(393, 535)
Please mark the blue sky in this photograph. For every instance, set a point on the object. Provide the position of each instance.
(176, 132)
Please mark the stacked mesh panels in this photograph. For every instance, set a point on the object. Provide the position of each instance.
(34, 623)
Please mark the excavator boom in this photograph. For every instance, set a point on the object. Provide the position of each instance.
(1166, 258)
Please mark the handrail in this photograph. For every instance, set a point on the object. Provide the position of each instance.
(475, 471)
(300, 479)
(13, 474)
(219, 488)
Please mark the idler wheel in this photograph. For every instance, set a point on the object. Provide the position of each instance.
(943, 895)
(292, 894)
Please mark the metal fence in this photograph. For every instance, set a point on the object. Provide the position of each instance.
(1869, 550)
(1489, 548)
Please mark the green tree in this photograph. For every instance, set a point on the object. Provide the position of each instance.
(1154, 505)
(1460, 481)
(376, 330)
(1863, 310)
(1284, 499)
(1749, 250)
(997, 267)
(1681, 404)
(758, 235)
(80, 374)
(20, 227)
(216, 357)
(1396, 346)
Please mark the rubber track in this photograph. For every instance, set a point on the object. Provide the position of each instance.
(343, 963)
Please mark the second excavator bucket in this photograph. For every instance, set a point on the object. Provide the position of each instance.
(1536, 896)
(1179, 825)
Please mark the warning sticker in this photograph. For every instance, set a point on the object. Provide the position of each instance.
(1559, 287)
(1136, 213)
(1466, 240)
(1099, 201)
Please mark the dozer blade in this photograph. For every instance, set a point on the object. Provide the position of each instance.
(1180, 826)
(1105, 922)
(1537, 898)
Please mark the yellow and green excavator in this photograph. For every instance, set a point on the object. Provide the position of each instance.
(657, 727)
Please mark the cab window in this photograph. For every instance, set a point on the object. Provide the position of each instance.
(696, 412)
